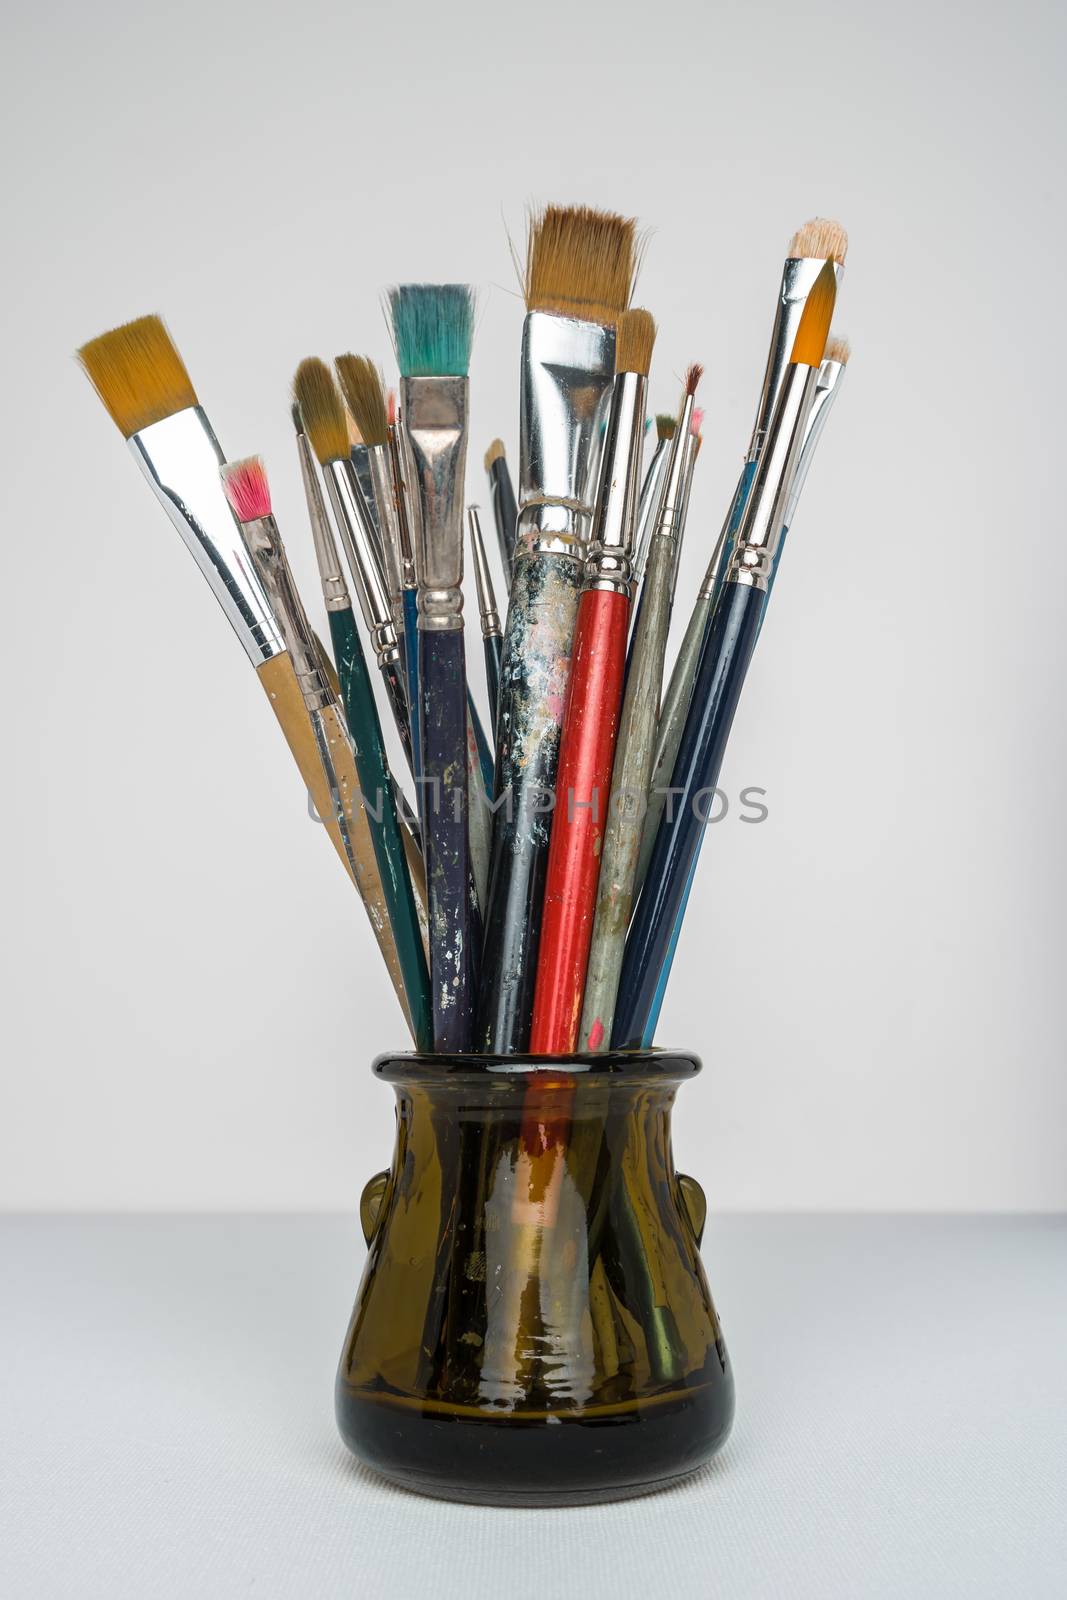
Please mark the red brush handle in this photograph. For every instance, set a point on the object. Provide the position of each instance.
(583, 789)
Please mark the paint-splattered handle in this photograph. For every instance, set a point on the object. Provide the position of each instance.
(535, 669)
(453, 933)
(583, 785)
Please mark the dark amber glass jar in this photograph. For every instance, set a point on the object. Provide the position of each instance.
(534, 1326)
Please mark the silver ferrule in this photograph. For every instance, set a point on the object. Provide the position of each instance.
(648, 505)
(798, 277)
(360, 454)
(331, 574)
(435, 428)
(608, 564)
(691, 451)
(826, 387)
(711, 576)
(264, 544)
(483, 581)
(352, 516)
(752, 560)
(181, 457)
(567, 372)
(402, 502)
(668, 520)
(381, 477)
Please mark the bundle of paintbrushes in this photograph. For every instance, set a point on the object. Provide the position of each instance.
(524, 880)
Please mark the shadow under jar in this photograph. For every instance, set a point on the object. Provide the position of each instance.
(533, 1326)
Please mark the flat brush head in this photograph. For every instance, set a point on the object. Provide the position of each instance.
(814, 328)
(495, 452)
(138, 374)
(433, 325)
(665, 425)
(580, 263)
(818, 239)
(363, 388)
(635, 335)
(837, 349)
(245, 486)
(692, 377)
(322, 410)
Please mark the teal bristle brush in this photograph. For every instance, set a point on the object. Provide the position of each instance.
(433, 325)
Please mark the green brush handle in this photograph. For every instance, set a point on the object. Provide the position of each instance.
(365, 731)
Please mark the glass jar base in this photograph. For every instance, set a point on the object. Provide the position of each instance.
(535, 1459)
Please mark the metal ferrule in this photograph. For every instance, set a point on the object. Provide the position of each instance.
(353, 524)
(402, 502)
(361, 461)
(181, 457)
(826, 387)
(608, 564)
(648, 505)
(689, 462)
(711, 576)
(798, 277)
(668, 521)
(264, 545)
(331, 573)
(483, 581)
(567, 372)
(435, 428)
(752, 560)
(381, 477)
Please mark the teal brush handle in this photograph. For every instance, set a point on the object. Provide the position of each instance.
(365, 731)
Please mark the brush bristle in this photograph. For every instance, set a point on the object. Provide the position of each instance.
(362, 386)
(246, 488)
(580, 263)
(818, 239)
(390, 408)
(322, 410)
(814, 328)
(138, 374)
(692, 377)
(635, 335)
(665, 425)
(433, 325)
(298, 421)
(696, 421)
(495, 452)
(837, 349)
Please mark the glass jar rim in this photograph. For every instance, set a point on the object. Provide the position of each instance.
(411, 1066)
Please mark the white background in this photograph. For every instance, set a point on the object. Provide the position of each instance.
(874, 976)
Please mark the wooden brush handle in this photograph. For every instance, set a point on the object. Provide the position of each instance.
(634, 753)
(453, 930)
(283, 691)
(583, 786)
(533, 688)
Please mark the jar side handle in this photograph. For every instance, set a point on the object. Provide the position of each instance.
(370, 1203)
(694, 1204)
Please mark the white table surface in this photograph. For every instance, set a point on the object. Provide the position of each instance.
(166, 1424)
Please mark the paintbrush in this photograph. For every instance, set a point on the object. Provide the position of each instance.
(649, 503)
(323, 412)
(636, 743)
(594, 696)
(364, 394)
(579, 275)
(809, 248)
(146, 390)
(432, 330)
(505, 511)
(721, 672)
(248, 491)
(489, 617)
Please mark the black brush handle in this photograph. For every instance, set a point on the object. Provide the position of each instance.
(716, 689)
(393, 674)
(452, 922)
(505, 513)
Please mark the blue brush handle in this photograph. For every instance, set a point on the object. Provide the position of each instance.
(452, 924)
(665, 971)
(411, 664)
(493, 647)
(716, 690)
